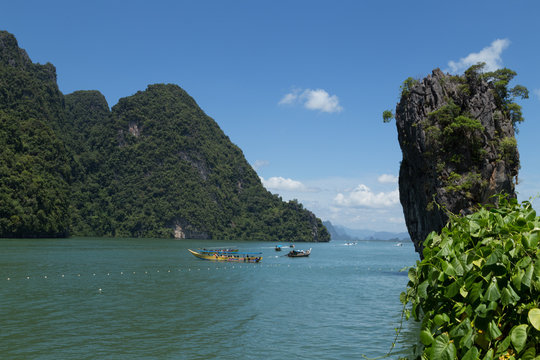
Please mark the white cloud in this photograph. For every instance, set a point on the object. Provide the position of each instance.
(362, 196)
(537, 92)
(280, 183)
(289, 98)
(491, 55)
(387, 179)
(318, 99)
(321, 100)
(259, 164)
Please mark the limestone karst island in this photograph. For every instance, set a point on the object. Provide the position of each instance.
(155, 165)
(477, 289)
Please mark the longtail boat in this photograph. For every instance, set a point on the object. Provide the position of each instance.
(299, 253)
(232, 256)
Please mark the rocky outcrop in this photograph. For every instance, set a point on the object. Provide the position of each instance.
(459, 149)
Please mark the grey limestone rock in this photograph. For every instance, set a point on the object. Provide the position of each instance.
(458, 148)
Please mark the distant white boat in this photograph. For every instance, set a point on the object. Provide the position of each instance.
(350, 243)
(399, 244)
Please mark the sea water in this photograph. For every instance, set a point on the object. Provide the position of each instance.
(98, 298)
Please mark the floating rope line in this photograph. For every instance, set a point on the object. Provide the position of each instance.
(149, 272)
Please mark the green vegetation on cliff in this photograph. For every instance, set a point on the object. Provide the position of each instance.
(154, 166)
(157, 163)
(34, 165)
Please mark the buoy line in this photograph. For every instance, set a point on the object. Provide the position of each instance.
(169, 271)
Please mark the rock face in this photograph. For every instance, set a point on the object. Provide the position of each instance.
(458, 150)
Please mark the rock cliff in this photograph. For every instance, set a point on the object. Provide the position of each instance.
(457, 138)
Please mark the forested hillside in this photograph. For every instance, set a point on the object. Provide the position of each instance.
(34, 165)
(154, 166)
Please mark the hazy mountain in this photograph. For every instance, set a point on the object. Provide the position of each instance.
(338, 232)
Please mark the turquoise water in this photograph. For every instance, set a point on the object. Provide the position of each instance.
(149, 298)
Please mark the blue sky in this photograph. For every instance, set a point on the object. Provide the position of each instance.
(299, 86)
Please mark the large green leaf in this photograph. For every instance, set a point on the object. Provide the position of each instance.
(457, 264)
(493, 330)
(529, 354)
(467, 340)
(475, 292)
(472, 354)
(474, 228)
(441, 319)
(443, 348)
(494, 257)
(503, 345)
(534, 318)
(481, 310)
(530, 240)
(519, 337)
(527, 277)
(448, 269)
(509, 296)
(452, 290)
(426, 338)
(461, 329)
(422, 289)
(517, 279)
(489, 355)
(412, 274)
(492, 292)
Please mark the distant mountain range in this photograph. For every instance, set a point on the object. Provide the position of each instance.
(338, 232)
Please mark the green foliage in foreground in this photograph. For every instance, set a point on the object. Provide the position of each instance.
(477, 291)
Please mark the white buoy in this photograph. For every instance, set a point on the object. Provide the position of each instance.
(8, 279)
(62, 275)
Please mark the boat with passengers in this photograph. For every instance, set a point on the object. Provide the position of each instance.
(299, 253)
(232, 256)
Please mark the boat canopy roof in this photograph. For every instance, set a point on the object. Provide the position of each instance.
(232, 252)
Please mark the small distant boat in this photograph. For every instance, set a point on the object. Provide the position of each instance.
(350, 243)
(299, 253)
(232, 256)
(399, 244)
(278, 247)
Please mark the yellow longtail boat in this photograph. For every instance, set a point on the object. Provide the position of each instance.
(232, 256)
